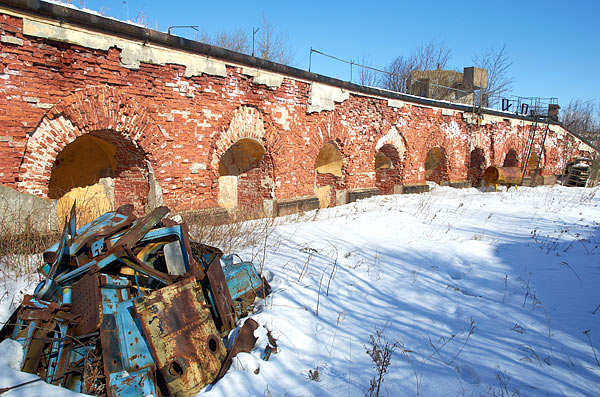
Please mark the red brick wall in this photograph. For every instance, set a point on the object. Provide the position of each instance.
(387, 178)
(477, 166)
(52, 92)
(254, 186)
(334, 182)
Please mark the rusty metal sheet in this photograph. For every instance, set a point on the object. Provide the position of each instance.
(244, 342)
(141, 227)
(244, 284)
(218, 291)
(182, 336)
(105, 225)
(87, 304)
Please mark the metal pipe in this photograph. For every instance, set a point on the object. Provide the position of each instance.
(507, 176)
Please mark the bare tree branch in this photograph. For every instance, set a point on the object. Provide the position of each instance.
(237, 40)
(366, 77)
(431, 56)
(583, 119)
(271, 43)
(497, 63)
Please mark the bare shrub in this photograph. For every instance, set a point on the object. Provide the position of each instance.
(20, 241)
(380, 350)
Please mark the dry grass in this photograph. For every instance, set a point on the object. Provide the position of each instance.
(18, 250)
(231, 232)
(25, 233)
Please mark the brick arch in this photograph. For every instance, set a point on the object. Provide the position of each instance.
(394, 138)
(250, 188)
(512, 142)
(328, 130)
(393, 145)
(477, 165)
(89, 110)
(439, 170)
(244, 122)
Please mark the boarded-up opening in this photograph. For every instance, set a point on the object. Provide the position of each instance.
(105, 155)
(328, 174)
(387, 169)
(476, 166)
(532, 163)
(245, 175)
(436, 165)
(511, 159)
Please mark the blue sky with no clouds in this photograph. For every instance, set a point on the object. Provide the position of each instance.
(554, 45)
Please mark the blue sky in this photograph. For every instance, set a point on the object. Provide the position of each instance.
(554, 45)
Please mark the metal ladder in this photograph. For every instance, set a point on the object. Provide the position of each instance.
(529, 148)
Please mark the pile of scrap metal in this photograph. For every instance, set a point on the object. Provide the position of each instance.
(133, 307)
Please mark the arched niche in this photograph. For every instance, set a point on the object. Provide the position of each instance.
(387, 169)
(245, 175)
(436, 165)
(476, 166)
(328, 174)
(511, 159)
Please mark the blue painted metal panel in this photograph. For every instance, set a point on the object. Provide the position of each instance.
(241, 278)
(134, 348)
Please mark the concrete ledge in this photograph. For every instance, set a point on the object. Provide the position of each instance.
(208, 216)
(22, 213)
(538, 181)
(295, 205)
(460, 184)
(359, 194)
(341, 197)
(411, 188)
(549, 179)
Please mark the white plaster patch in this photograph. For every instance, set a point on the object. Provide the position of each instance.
(195, 167)
(211, 115)
(395, 103)
(392, 137)
(132, 52)
(11, 40)
(271, 80)
(323, 97)
(284, 118)
(228, 190)
(453, 130)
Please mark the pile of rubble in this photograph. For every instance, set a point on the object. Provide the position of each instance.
(132, 307)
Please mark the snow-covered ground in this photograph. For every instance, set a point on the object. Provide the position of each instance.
(477, 293)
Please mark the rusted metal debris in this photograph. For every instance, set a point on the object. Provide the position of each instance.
(134, 307)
